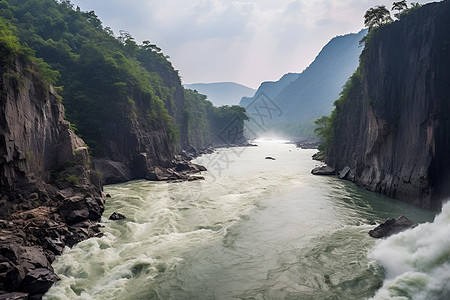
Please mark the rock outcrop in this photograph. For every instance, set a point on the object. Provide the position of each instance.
(393, 131)
(49, 196)
(323, 170)
(392, 226)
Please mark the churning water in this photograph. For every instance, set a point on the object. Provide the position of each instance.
(256, 229)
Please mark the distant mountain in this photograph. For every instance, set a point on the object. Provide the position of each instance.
(297, 100)
(222, 93)
(271, 88)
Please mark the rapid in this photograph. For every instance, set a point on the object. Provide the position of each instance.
(256, 228)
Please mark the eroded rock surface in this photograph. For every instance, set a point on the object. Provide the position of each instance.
(50, 197)
(392, 226)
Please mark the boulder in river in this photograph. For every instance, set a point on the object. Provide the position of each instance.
(323, 170)
(116, 216)
(392, 226)
(38, 281)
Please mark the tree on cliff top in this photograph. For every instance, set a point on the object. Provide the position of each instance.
(377, 16)
(399, 6)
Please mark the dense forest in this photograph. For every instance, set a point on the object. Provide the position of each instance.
(209, 125)
(108, 83)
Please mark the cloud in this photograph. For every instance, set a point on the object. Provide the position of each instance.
(247, 41)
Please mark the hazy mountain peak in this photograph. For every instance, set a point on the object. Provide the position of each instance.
(222, 93)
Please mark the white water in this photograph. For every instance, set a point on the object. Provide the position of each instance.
(254, 229)
(417, 261)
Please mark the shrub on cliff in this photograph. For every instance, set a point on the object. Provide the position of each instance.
(327, 126)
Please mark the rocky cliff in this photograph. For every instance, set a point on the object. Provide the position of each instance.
(49, 196)
(391, 125)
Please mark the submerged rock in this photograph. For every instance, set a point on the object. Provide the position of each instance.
(392, 226)
(14, 296)
(116, 216)
(323, 170)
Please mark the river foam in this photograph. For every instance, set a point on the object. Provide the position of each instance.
(417, 261)
(253, 229)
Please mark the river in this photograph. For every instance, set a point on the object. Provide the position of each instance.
(255, 229)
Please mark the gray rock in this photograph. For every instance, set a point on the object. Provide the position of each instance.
(112, 171)
(158, 174)
(14, 278)
(323, 170)
(14, 296)
(395, 130)
(38, 154)
(343, 173)
(33, 258)
(38, 281)
(392, 226)
(116, 216)
(77, 210)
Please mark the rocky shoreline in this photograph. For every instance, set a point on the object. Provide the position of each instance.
(51, 195)
(33, 233)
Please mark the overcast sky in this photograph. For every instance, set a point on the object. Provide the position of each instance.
(244, 41)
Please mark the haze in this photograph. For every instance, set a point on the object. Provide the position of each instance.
(242, 41)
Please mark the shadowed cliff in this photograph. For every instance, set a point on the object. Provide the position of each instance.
(49, 195)
(391, 124)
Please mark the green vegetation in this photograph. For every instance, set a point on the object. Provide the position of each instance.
(102, 75)
(108, 84)
(207, 124)
(29, 154)
(328, 125)
(198, 124)
(399, 7)
(379, 16)
(11, 48)
(72, 179)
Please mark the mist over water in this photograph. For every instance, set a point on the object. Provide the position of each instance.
(417, 262)
(254, 229)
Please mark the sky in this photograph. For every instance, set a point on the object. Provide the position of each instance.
(243, 41)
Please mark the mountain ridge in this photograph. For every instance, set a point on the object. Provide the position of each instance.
(222, 93)
(302, 99)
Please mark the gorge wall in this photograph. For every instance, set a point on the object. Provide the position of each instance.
(49, 196)
(391, 126)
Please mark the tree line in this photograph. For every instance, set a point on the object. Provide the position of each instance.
(106, 81)
(379, 15)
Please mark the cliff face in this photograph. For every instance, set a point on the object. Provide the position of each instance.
(394, 129)
(131, 147)
(49, 197)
